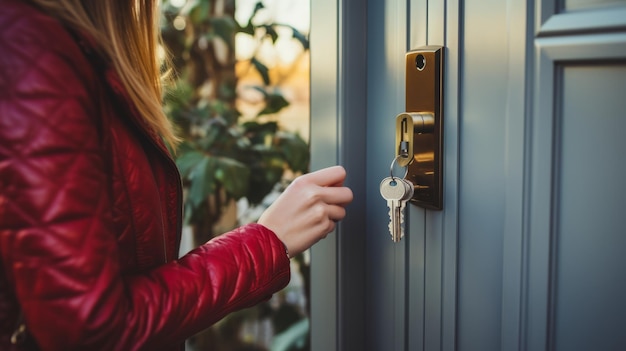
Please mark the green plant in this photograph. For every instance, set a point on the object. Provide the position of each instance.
(222, 159)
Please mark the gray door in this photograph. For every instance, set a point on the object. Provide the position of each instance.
(527, 253)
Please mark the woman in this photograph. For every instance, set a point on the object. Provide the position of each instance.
(90, 199)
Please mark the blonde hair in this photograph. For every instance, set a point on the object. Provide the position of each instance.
(128, 34)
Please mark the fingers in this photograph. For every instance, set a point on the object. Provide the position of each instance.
(336, 213)
(331, 179)
(331, 176)
(336, 195)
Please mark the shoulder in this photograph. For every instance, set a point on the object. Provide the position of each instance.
(41, 61)
(47, 85)
(23, 24)
(32, 39)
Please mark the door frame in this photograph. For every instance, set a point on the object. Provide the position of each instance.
(338, 136)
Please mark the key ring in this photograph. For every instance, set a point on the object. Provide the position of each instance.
(395, 160)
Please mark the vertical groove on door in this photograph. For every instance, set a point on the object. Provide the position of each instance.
(515, 233)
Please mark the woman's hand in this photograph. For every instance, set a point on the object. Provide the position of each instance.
(308, 209)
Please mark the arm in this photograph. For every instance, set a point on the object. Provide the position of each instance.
(57, 245)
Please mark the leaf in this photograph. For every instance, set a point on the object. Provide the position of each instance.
(208, 37)
(214, 132)
(259, 5)
(257, 132)
(256, 127)
(234, 175)
(224, 28)
(273, 104)
(185, 147)
(295, 150)
(261, 90)
(189, 6)
(198, 11)
(187, 161)
(262, 69)
(301, 38)
(202, 180)
(247, 29)
(293, 338)
(270, 32)
(263, 178)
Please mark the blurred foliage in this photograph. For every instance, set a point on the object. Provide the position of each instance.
(221, 158)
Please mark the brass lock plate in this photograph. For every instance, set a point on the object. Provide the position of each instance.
(424, 96)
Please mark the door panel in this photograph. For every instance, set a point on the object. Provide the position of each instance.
(579, 78)
(482, 164)
(574, 273)
(588, 280)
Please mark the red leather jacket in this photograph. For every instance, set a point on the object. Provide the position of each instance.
(90, 210)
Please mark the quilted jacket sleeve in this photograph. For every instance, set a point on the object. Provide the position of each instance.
(57, 245)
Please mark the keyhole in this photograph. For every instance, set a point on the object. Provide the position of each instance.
(420, 62)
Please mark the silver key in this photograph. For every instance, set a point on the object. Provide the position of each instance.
(410, 189)
(394, 190)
